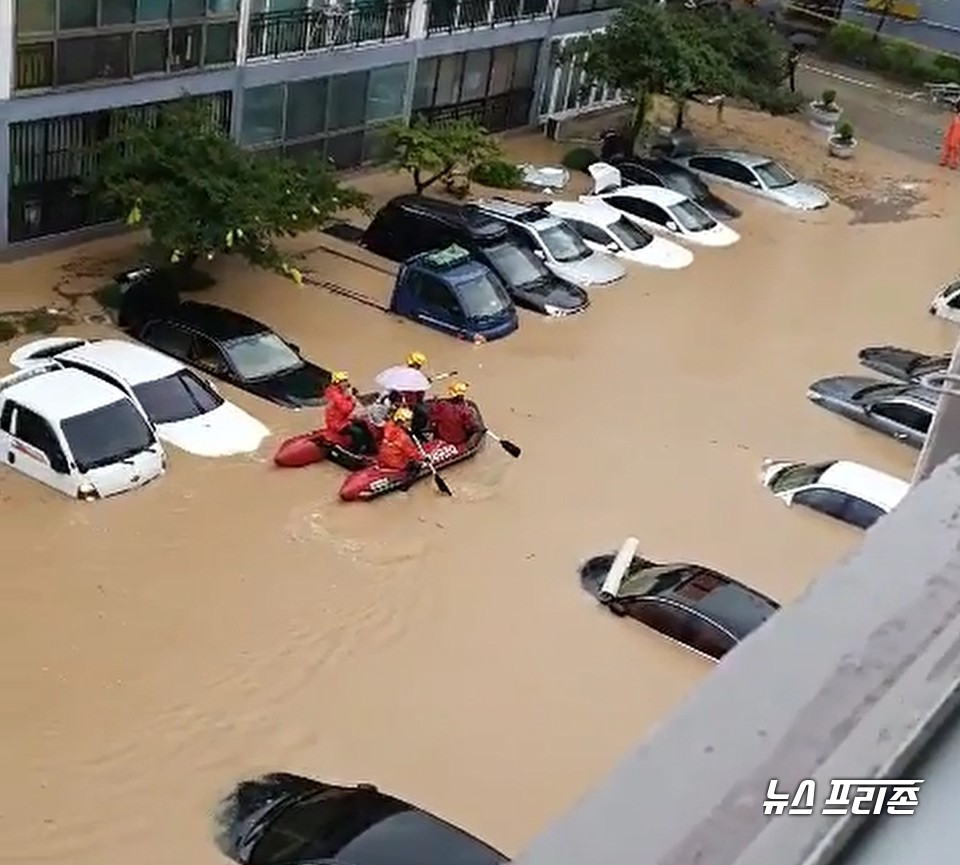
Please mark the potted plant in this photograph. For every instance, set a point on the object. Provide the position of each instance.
(825, 111)
(842, 143)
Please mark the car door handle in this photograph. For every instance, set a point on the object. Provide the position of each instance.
(900, 435)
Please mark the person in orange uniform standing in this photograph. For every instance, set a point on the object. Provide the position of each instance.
(398, 452)
(951, 142)
(453, 419)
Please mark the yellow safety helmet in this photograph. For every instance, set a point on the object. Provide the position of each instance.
(416, 359)
(458, 388)
(339, 376)
(403, 415)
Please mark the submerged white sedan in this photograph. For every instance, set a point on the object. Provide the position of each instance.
(658, 209)
(186, 410)
(605, 229)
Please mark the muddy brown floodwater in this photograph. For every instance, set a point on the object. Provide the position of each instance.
(233, 619)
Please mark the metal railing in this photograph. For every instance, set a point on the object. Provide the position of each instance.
(305, 30)
(581, 7)
(447, 16)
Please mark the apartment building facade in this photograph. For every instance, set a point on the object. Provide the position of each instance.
(286, 75)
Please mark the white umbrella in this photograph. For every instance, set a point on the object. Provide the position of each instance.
(403, 378)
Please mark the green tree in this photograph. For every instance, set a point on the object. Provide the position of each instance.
(201, 195)
(430, 152)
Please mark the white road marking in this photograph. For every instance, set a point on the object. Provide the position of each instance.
(847, 79)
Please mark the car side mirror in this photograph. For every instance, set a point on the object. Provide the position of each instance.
(294, 347)
(612, 246)
(539, 253)
(58, 463)
(672, 226)
(212, 386)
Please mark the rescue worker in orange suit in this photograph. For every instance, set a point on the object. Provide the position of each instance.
(414, 398)
(951, 142)
(340, 411)
(453, 419)
(397, 449)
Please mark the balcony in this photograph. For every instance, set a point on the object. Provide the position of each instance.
(273, 34)
(582, 7)
(448, 16)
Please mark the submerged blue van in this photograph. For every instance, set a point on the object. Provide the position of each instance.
(450, 291)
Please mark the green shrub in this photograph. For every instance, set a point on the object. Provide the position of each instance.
(844, 133)
(849, 41)
(945, 68)
(579, 159)
(776, 100)
(828, 98)
(8, 330)
(497, 173)
(901, 59)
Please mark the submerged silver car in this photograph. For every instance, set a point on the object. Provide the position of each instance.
(560, 248)
(758, 175)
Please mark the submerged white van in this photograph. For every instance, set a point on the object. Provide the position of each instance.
(76, 433)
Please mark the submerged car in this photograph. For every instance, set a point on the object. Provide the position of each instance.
(846, 491)
(604, 228)
(658, 171)
(76, 433)
(901, 411)
(223, 343)
(284, 819)
(946, 302)
(758, 175)
(902, 364)
(658, 209)
(695, 606)
(186, 410)
(560, 248)
(411, 224)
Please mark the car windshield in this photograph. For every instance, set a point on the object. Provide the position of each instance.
(630, 235)
(482, 297)
(692, 217)
(799, 476)
(875, 391)
(177, 397)
(515, 265)
(564, 243)
(773, 175)
(106, 435)
(366, 829)
(261, 355)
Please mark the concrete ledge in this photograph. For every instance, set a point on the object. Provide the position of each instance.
(849, 681)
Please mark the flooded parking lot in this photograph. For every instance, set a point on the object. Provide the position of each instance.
(231, 618)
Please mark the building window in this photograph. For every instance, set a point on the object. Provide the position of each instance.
(386, 91)
(120, 38)
(262, 119)
(50, 159)
(566, 90)
(306, 108)
(494, 88)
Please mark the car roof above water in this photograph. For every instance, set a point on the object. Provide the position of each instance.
(475, 222)
(135, 363)
(58, 393)
(660, 195)
(879, 488)
(527, 214)
(742, 156)
(597, 212)
(454, 264)
(217, 322)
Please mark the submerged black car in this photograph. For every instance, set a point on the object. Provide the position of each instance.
(903, 364)
(655, 171)
(696, 606)
(411, 224)
(284, 819)
(220, 342)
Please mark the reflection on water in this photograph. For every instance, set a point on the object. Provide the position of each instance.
(233, 618)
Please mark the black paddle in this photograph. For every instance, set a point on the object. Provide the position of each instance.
(506, 444)
(439, 481)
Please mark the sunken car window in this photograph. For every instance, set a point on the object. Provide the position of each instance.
(106, 435)
(177, 397)
(686, 184)
(516, 265)
(692, 217)
(367, 829)
(630, 234)
(799, 476)
(482, 297)
(261, 355)
(564, 243)
(774, 176)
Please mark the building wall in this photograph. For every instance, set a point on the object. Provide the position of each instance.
(937, 25)
(285, 78)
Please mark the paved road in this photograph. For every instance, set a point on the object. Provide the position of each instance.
(879, 110)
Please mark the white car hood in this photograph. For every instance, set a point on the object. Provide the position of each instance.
(801, 196)
(660, 252)
(225, 431)
(605, 177)
(719, 235)
(120, 477)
